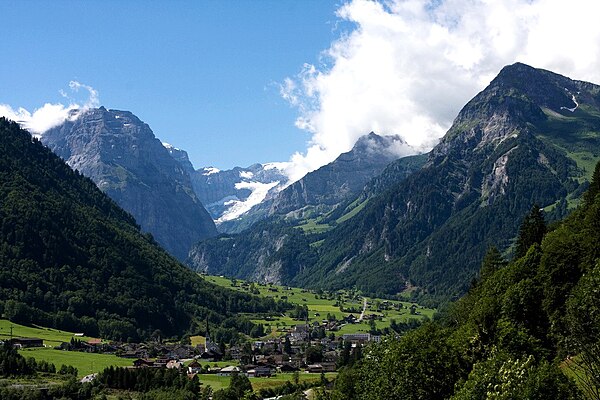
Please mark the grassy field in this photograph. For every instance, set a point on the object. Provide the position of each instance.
(221, 382)
(354, 208)
(312, 226)
(319, 305)
(86, 363)
(51, 337)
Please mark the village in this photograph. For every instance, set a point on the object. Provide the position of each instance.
(302, 349)
(322, 332)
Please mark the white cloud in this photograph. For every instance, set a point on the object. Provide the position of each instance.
(408, 66)
(51, 115)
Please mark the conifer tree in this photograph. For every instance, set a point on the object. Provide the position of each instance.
(594, 188)
(532, 231)
(492, 262)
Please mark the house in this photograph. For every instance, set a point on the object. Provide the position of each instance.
(328, 366)
(258, 345)
(279, 359)
(259, 371)
(228, 371)
(129, 354)
(95, 342)
(143, 363)
(211, 355)
(63, 346)
(174, 364)
(27, 342)
(314, 368)
(194, 367)
(357, 337)
(287, 368)
(180, 352)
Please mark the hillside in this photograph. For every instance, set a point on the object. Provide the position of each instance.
(70, 258)
(521, 330)
(122, 156)
(333, 305)
(426, 221)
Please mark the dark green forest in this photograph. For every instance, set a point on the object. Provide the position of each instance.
(70, 258)
(523, 327)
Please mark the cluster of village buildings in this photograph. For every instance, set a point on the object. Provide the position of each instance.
(262, 358)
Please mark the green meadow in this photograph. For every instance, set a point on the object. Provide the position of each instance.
(321, 304)
(86, 363)
(221, 382)
(51, 337)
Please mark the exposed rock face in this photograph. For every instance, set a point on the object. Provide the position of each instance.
(181, 156)
(121, 154)
(272, 251)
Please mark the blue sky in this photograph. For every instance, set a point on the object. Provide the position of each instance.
(238, 82)
(204, 75)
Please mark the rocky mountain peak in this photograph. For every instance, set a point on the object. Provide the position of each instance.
(344, 177)
(120, 153)
(181, 156)
(517, 98)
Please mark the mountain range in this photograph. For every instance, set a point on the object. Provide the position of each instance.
(531, 137)
(373, 218)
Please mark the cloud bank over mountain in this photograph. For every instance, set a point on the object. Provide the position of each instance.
(408, 66)
(52, 114)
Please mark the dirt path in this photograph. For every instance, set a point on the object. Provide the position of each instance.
(362, 313)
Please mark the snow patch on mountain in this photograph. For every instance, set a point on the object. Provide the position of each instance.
(246, 174)
(169, 146)
(210, 170)
(574, 100)
(237, 208)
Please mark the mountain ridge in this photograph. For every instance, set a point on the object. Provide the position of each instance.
(486, 172)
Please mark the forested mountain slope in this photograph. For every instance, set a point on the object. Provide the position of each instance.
(531, 137)
(71, 258)
(510, 336)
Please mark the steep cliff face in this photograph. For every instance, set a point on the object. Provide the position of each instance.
(272, 251)
(122, 156)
